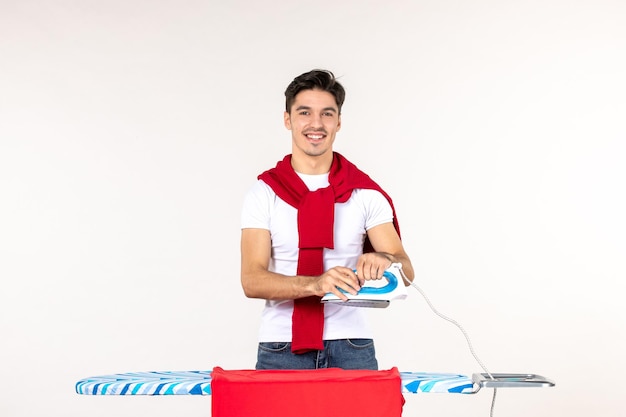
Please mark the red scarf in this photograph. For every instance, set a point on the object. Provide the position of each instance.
(316, 216)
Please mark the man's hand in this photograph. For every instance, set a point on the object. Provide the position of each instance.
(372, 266)
(338, 278)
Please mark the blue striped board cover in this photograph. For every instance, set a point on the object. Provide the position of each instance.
(199, 383)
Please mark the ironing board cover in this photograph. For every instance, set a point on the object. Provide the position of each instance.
(199, 383)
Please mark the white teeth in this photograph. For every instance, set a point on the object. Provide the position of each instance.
(315, 136)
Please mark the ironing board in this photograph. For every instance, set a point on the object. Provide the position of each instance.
(199, 383)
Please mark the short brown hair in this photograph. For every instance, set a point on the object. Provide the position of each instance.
(316, 79)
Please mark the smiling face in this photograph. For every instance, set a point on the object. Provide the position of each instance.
(314, 120)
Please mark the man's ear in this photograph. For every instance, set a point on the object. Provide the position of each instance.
(287, 120)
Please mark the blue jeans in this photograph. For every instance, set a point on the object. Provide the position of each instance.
(343, 353)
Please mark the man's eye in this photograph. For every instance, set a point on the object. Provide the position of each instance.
(304, 113)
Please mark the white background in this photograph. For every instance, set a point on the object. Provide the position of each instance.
(130, 131)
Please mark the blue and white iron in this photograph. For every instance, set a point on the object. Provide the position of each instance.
(375, 293)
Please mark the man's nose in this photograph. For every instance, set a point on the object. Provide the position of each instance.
(316, 120)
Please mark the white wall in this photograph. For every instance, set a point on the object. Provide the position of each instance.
(130, 130)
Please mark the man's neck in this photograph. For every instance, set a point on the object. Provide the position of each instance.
(312, 165)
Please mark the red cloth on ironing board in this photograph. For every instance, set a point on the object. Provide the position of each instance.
(306, 393)
(316, 215)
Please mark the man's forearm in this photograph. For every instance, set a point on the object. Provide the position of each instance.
(273, 286)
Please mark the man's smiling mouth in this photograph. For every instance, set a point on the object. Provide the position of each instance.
(315, 136)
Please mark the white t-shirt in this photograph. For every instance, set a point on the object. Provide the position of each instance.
(263, 209)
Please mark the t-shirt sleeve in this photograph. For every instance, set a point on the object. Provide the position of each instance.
(256, 210)
(377, 208)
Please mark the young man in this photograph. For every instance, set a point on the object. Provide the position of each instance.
(307, 225)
